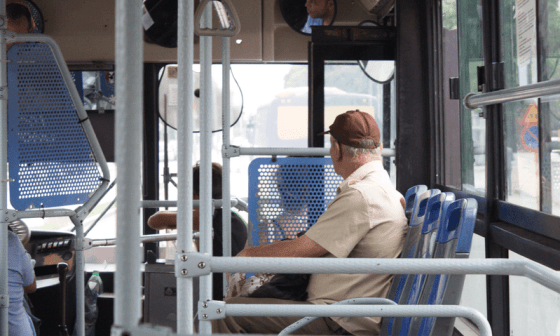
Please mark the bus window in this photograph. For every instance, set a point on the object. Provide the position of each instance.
(96, 88)
(275, 111)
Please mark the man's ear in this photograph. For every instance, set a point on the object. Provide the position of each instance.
(336, 148)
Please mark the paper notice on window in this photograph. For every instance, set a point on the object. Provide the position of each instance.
(526, 23)
(173, 95)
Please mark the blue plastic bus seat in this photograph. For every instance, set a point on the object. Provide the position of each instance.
(421, 203)
(453, 240)
(50, 159)
(435, 215)
(288, 195)
(410, 196)
(54, 157)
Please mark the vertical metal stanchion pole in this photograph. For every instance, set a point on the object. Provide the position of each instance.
(80, 277)
(205, 327)
(226, 190)
(128, 131)
(185, 41)
(4, 298)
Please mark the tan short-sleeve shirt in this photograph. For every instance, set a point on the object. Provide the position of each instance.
(365, 220)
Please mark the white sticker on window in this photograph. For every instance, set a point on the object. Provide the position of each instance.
(147, 21)
(173, 95)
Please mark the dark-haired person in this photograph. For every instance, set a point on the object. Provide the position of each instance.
(168, 220)
(19, 18)
(365, 220)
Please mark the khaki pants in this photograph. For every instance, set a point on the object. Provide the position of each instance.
(271, 324)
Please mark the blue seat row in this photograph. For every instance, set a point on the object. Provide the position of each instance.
(440, 227)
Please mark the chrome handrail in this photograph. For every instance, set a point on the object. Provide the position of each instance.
(547, 88)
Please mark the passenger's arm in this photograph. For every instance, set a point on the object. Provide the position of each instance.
(28, 271)
(301, 247)
(162, 220)
(31, 288)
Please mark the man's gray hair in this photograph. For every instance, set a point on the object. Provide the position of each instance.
(355, 152)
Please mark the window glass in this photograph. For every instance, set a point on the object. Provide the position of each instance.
(549, 107)
(451, 120)
(472, 122)
(521, 118)
(265, 90)
(534, 309)
(366, 86)
(474, 289)
(96, 88)
(275, 108)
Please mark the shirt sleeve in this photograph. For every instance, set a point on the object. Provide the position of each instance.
(343, 225)
(20, 261)
(27, 270)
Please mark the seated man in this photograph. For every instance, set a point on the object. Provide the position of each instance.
(365, 220)
(168, 220)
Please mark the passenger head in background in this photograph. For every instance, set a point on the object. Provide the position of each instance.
(216, 181)
(168, 219)
(19, 18)
(321, 9)
(355, 141)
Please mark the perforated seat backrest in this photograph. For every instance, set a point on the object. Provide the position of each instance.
(288, 195)
(435, 215)
(410, 197)
(50, 159)
(421, 203)
(454, 240)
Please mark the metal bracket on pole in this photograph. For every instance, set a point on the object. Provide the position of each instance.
(82, 212)
(11, 215)
(7, 35)
(211, 310)
(4, 95)
(86, 244)
(230, 151)
(4, 301)
(229, 20)
(189, 265)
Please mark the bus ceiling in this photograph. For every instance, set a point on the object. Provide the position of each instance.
(88, 33)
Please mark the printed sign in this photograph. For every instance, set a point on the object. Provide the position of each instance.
(526, 21)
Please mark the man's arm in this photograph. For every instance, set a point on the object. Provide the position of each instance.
(31, 288)
(168, 220)
(301, 247)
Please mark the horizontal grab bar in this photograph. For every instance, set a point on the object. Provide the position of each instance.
(361, 310)
(547, 88)
(534, 271)
(143, 239)
(386, 152)
(173, 204)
